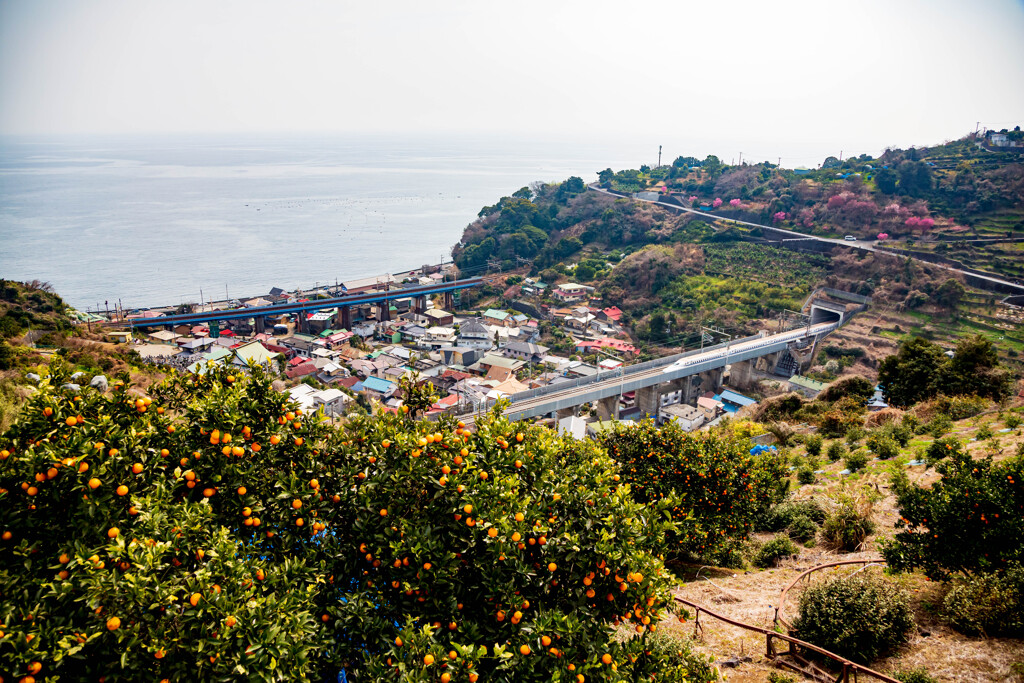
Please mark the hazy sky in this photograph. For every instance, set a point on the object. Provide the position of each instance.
(771, 78)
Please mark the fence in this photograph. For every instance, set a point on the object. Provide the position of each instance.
(800, 664)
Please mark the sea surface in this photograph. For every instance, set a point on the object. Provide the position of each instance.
(154, 221)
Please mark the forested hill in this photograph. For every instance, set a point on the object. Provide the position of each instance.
(950, 192)
(655, 263)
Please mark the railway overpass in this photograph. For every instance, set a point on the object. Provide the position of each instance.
(693, 373)
(381, 299)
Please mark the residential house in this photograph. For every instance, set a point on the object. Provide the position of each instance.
(436, 337)
(733, 401)
(365, 329)
(436, 316)
(463, 356)
(332, 401)
(612, 314)
(570, 291)
(302, 345)
(474, 334)
(609, 343)
(496, 367)
(164, 336)
(710, 407)
(531, 353)
(378, 389)
(686, 416)
(195, 346)
(253, 354)
(498, 318)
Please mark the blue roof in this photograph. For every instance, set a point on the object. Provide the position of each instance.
(729, 396)
(377, 384)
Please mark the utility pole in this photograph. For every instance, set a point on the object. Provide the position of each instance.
(741, 158)
(977, 128)
(659, 156)
(840, 155)
(780, 163)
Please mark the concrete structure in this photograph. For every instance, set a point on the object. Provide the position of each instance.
(693, 373)
(687, 417)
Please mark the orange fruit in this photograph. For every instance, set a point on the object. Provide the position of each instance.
(208, 492)
(112, 532)
(194, 599)
(606, 658)
(275, 439)
(524, 649)
(229, 622)
(71, 421)
(384, 512)
(296, 503)
(137, 468)
(428, 659)
(122, 490)
(113, 623)
(160, 654)
(241, 490)
(94, 483)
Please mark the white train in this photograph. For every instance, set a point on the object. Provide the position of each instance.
(783, 337)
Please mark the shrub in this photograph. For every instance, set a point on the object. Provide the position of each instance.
(855, 461)
(850, 386)
(813, 444)
(861, 617)
(659, 462)
(670, 659)
(883, 445)
(854, 434)
(782, 515)
(902, 433)
(802, 528)
(835, 451)
(916, 675)
(939, 426)
(1012, 421)
(805, 475)
(962, 407)
(968, 521)
(775, 550)
(362, 538)
(846, 528)
(987, 604)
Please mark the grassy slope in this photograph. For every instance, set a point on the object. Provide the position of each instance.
(750, 595)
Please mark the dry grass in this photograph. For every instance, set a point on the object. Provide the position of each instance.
(752, 596)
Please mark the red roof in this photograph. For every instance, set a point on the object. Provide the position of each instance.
(306, 369)
(613, 313)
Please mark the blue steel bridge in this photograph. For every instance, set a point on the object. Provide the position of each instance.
(382, 299)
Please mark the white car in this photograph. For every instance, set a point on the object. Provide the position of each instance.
(850, 238)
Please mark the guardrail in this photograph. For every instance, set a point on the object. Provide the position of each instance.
(802, 666)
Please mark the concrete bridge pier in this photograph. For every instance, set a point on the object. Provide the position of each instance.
(739, 374)
(648, 400)
(301, 322)
(449, 301)
(384, 311)
(607, 408)
(563, 413)
(260, 324)
(420, 304)
(343, 318)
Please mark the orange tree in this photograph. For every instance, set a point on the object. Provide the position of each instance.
(720, 489)
(210, 531)
(970, 521)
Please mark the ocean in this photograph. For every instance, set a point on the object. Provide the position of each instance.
(154, 221)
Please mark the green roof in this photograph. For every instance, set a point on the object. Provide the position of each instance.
(807, 382)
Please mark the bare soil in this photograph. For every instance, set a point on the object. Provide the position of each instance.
(752, 596)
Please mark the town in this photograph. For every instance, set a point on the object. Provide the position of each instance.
(554, 337)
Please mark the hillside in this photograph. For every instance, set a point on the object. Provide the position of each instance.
(672, 273)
